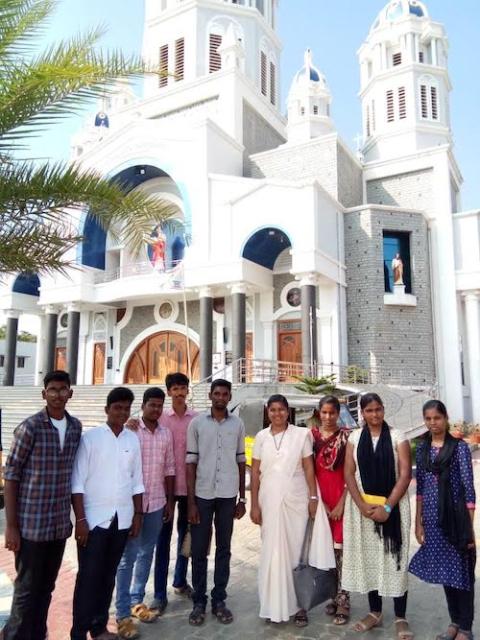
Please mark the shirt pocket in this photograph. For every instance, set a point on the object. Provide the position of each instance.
(126, 461)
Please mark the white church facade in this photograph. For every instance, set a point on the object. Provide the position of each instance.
(284, 243)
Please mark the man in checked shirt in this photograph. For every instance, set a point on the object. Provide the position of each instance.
(38, 475)
(158, 465)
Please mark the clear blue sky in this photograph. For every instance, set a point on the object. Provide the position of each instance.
(334, 29)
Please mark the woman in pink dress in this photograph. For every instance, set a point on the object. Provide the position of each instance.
(330, 443)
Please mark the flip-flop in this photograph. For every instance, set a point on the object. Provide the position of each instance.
(360, 626)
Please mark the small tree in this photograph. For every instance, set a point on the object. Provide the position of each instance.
(325, 385)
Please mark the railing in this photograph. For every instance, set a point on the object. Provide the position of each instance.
(172, 275)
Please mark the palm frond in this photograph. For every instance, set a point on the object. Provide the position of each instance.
(20, 22)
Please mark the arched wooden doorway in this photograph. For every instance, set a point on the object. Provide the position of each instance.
(159, 354)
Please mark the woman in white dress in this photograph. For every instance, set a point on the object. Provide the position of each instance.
(284, 495)
(377, 516)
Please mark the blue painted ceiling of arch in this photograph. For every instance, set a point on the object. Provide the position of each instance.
(94, 245)
(265, 246)
(29, 284)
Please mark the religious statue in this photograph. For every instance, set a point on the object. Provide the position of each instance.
(397, 268)
(158, 248)
(101, 120)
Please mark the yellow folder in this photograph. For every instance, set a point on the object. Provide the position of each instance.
(376, 500)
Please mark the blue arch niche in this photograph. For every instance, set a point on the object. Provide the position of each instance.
(95, 243)
(265, 246)
(28, 284)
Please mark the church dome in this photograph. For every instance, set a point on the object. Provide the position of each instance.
(309, 73)
(398, 9)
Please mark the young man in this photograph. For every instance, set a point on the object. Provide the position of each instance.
(158, 464)
(176, 420)
(215, 476)
(37, 503)
(107, 490)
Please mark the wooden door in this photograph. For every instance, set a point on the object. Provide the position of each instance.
(99, 363)
(289, 348)
(61, 358)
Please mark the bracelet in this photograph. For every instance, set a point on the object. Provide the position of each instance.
(81, 519)
(387, 508)
(243, 500)
(314, 498)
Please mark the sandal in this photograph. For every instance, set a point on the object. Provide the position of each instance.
(449, 636)
(341, 617)
(143, 613)
(331, 608)
(301, 618)
(127, 629)
(370, 621)
(405, 633)
(468, 634)
(197, 617)
(222, 613)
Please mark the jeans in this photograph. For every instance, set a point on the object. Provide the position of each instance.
(37, 565)
(97, 566)
(221, 511)
(399, 604)
(162, 554)
(136, 561)
(460, 606)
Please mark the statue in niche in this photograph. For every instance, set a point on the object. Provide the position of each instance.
(157, 249)
(397, 268)
(101, 120)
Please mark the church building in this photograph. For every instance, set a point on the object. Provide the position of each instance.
(286, 247)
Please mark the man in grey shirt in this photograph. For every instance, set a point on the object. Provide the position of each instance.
(215, 476)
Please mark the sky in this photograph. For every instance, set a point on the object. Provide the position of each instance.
(334, 30)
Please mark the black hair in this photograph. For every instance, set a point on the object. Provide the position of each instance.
(120, 394)
(333, 400)
(368, 398)
(57, 376)
(277, 397)
(179, 379)
(437, 405)
(153, 392)
(221, 383)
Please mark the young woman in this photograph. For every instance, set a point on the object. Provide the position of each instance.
(377, 516)
(284, 495)
(444, 519)
(330, 444)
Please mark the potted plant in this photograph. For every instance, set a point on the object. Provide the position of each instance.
(458, 430)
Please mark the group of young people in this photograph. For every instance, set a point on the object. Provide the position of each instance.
(355, 485)
(126, 478)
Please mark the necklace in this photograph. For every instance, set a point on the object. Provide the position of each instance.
(281, 439)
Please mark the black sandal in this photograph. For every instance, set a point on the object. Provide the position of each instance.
(222, 613)
(301, 618)
(197, 617)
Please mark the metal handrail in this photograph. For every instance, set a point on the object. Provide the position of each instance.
(135, 269)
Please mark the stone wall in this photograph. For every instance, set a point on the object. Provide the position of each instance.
(349, 179)
(279, 282)
(142, 317)
(408, 190)
(397, 340)
(258, 135)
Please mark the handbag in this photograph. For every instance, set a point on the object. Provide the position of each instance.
(312, 586)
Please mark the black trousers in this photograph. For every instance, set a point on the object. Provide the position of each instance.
(97, 568)
(460, 606)
(399, 604)
(221, 512)
(37, 565)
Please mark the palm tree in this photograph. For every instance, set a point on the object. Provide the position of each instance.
(37, 90)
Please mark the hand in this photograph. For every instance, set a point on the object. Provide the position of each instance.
(420, 534)
(472, 545)
(133, 424)
(81, 532)
(337, 512)
(168, 511)
(193, 514)
(367, 510)
(379, 514)
(312, 508)
(137, 522)
(12, 538)
(240, 511)
(256, 515)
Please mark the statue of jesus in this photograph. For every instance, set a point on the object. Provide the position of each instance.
(397, 267)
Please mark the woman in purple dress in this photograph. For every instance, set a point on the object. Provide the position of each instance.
(444, 520)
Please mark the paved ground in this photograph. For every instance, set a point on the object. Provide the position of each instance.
(426, 611)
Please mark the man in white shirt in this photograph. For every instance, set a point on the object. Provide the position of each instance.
(107, 488)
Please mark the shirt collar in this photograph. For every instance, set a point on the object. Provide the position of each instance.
(171, 412)
(145, 428)
(105, 427)
(225, 417)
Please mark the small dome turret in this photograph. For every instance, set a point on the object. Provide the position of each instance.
(398, 9)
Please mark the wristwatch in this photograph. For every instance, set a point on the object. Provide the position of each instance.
(387, 508)
(243, 500)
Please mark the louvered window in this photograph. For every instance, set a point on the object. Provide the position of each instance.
(423, 101)
(263, 73)
(402, 103)
(397, 59)
(273, 84)
(421, 56)
(315, 109)
(179, 59)
(433, 93)
(374, 123)
(390, 106)
(215, 60)
(163, 80)
(367, 121)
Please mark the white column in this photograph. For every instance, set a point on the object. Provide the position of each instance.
(472, 317)
(434, 52)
